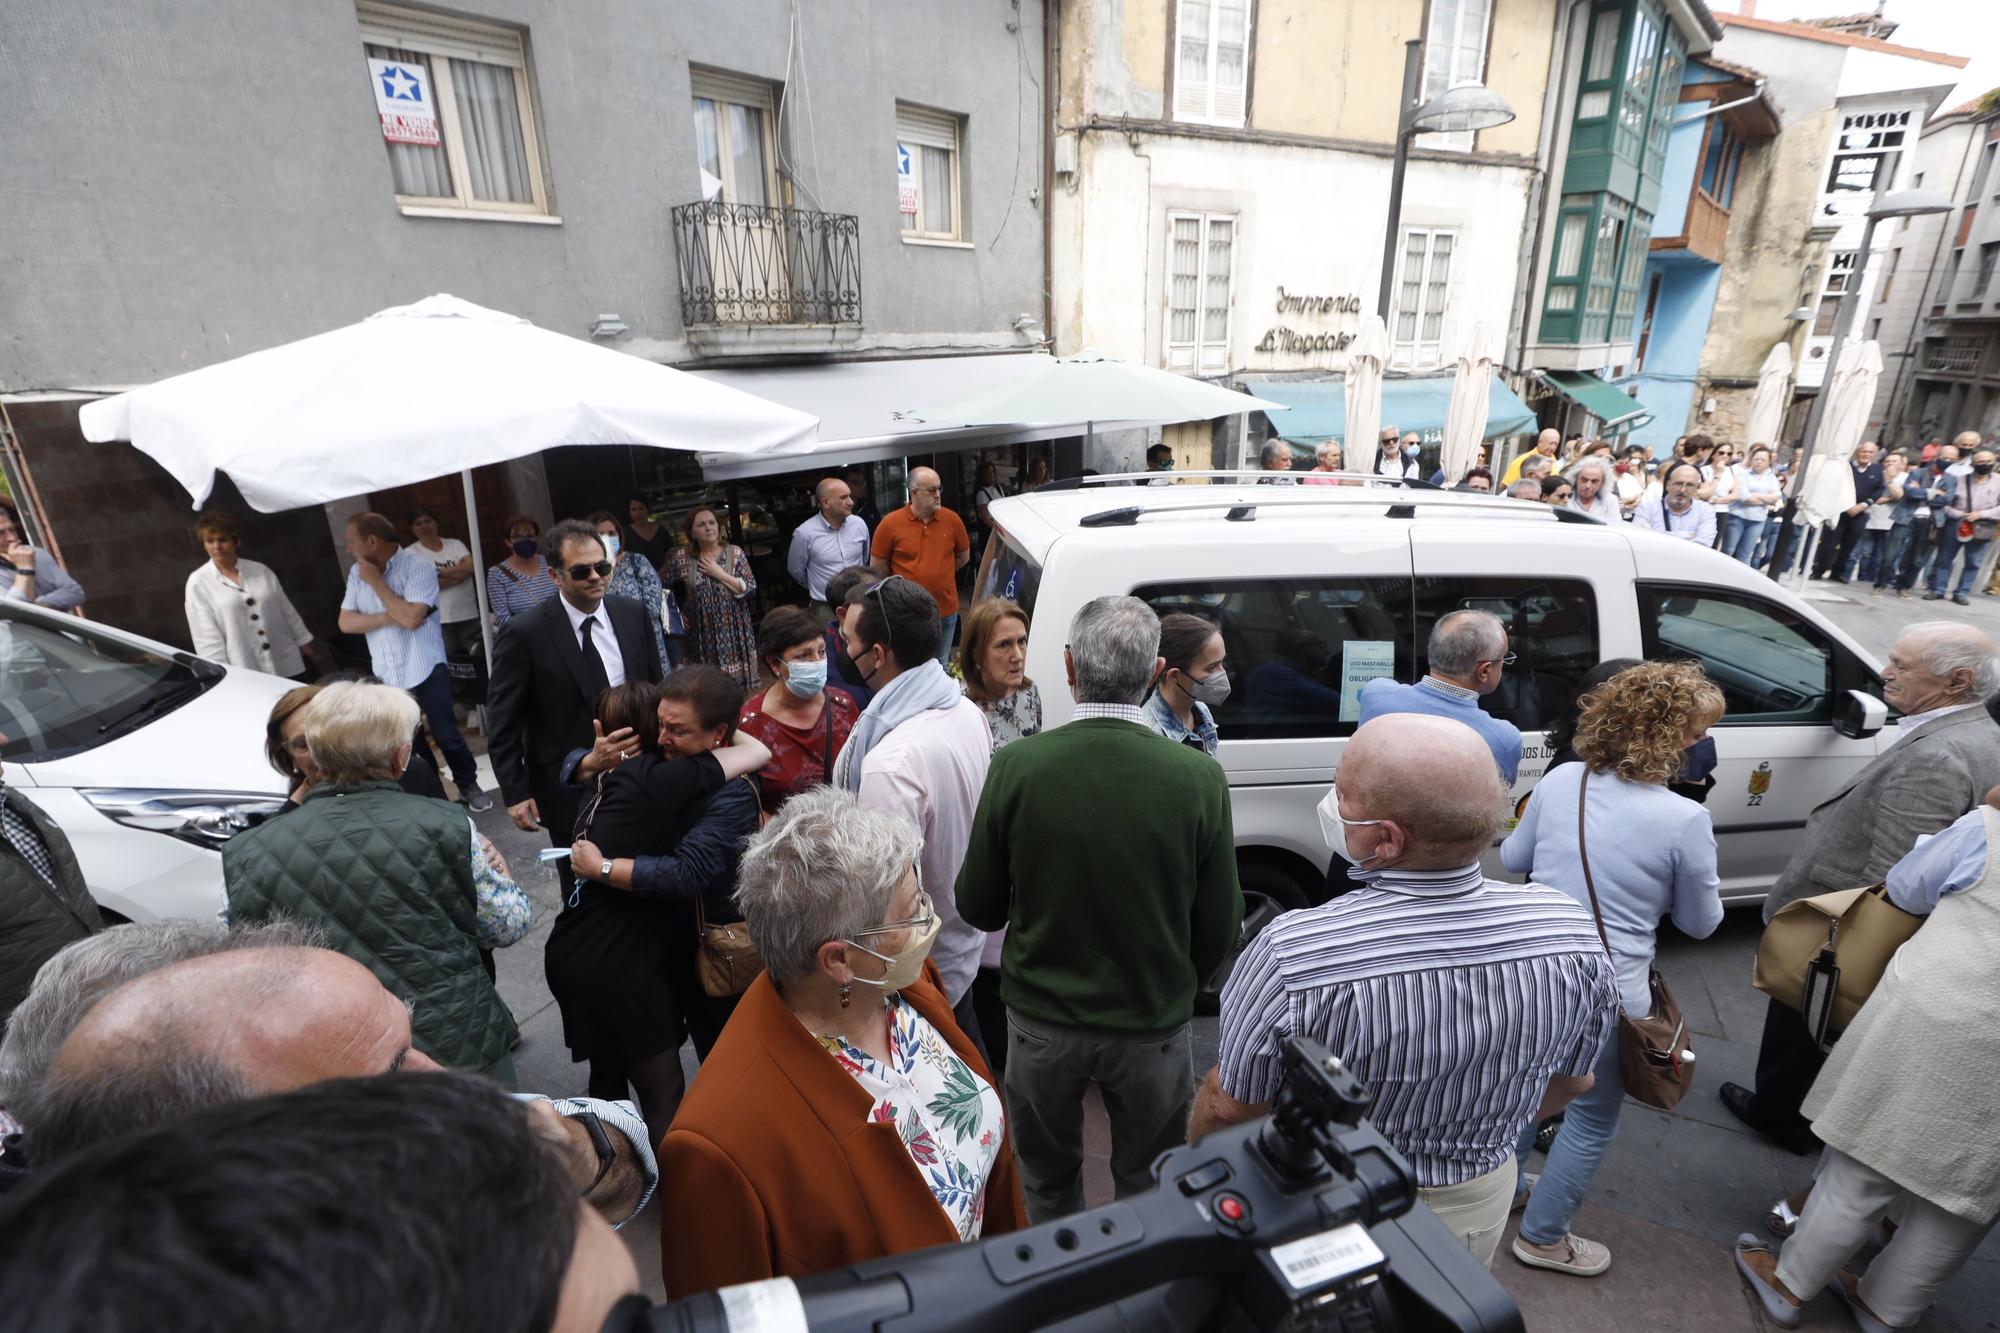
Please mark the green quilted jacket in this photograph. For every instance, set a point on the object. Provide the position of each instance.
(389, 876)
(36, 919)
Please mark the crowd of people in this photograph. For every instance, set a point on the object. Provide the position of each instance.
(906, 928)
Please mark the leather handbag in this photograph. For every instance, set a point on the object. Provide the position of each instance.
(1824, 955)
(1655, 1053)
(726, 958)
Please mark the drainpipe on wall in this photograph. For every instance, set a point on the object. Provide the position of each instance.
(1051, 99)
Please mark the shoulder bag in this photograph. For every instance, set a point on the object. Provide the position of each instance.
(727, 960)
(1655, 1055)
(1970, 529)
(1824, 955)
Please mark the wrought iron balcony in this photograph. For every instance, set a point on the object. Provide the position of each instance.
(747, 264)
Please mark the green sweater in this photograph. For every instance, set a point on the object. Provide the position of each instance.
(1108, 853)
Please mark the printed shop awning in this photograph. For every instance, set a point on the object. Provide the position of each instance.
(1319, 407)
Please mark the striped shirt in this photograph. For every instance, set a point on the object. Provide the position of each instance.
(1453, 997)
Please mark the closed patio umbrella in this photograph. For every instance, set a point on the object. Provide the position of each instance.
(1773, 395)
(1465, 418)
(1365, 358)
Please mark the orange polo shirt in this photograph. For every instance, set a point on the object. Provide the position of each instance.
(924, 553)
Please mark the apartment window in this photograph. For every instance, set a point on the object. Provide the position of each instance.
(1211, 61)
(457, 112)
(929, 186)
(1631, 275)
(1840, 274)
(1594, 101)
(1200, 253)
(1988, 256)
(1424, 280)
(1959, 354)
(1646, 325)
(1982, 172)
(1869, 141)
(1455, 54)
(1641, 67)
(1950, 280)
(732, 139)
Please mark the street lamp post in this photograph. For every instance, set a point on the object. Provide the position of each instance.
(1469, 106)
(1902, 204)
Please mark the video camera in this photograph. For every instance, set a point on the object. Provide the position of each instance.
(1305, 1220)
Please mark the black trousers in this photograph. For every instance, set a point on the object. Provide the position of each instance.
(1788, 1060)
(1836, 546)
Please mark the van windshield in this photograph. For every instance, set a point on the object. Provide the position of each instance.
(66, 688)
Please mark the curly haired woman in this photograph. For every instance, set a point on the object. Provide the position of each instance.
(1652, 855)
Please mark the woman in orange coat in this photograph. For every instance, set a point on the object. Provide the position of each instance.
(842, 1115)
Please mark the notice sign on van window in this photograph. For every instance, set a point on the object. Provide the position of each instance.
(403, 97)
(1362, 660)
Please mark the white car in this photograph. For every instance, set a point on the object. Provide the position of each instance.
(148, 757)
(1319, 588)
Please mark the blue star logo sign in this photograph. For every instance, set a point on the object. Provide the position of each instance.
(398, 84)
(902, 159)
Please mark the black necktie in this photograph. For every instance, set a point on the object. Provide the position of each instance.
(593, 665)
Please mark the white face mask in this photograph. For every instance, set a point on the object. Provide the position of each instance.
(1334, 828)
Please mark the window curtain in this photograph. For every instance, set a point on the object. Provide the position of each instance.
(416, 169)
(489, 120)
(936, 182)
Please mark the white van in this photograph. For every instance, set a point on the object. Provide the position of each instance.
(1318, 588)
(148, 757)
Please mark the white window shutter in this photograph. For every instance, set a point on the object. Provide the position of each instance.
(1229, 62)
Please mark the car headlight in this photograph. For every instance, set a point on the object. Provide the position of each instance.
(205, 818)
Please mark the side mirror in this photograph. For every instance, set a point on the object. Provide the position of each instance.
(1858, 715)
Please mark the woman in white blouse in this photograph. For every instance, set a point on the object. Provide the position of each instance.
(237, 612)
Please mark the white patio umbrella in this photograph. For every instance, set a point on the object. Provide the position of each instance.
(1829, 483)
(1471, 396)
(1365, 358)
(422, 391)
(1090, 388)
(1773, 395)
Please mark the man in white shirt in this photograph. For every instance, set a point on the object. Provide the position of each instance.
(830, 541)
(1676, 511)
(458, 597)
(919, 750)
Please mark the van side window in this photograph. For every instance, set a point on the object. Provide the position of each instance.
(1291, 644)
(1551, 630)
(1772, 665)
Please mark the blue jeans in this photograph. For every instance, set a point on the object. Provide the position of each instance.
(1893, 569)
(1743, 540)
(1949, 546)
(1769, 539)
(947, 639)
(1588, 1125)
(1868, 552)
(433, 695)
(1726, 524)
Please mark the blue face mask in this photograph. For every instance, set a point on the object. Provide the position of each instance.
(611, 545)
(805, 679)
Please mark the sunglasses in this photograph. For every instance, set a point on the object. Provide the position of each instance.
(602, 569)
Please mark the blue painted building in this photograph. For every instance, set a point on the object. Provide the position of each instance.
(1722, 115)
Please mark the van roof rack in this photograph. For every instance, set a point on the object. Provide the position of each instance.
(1410, 496)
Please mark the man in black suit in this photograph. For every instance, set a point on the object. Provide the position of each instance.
(543, 696)
(1836, 544)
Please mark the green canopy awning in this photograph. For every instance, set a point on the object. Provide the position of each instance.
(1619, 411)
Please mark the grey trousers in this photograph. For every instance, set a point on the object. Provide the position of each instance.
(1848, 1200)
(1147, 1081)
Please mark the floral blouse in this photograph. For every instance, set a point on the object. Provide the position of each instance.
(1015, 717)
(949, 1117)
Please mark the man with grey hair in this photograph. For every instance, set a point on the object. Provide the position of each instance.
(1460, 1070)
(1944, 757)
(1529, 488)
(1468, 655)
(1276, 456)
(831, 540)
(260, 1012)
(1593, 491)
(1108, 853)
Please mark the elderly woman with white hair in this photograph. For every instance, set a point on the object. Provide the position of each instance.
(842, 1116)
(401, 884)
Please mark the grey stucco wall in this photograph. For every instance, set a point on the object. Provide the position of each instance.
(182, 181)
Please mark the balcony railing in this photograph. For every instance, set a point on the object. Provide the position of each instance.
(752, 264)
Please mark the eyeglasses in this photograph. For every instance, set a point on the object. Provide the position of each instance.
(602, 569)
(921, 921)
(875, 590)
(1508, 660)
(926, 490)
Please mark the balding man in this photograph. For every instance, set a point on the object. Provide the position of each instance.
(1458, 1071)
(831, 540)
(927, 544)
(238, 1023)
(1546, 445)
(1945, 755)
(1468, 654)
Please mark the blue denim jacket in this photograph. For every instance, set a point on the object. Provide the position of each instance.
(1168, 724)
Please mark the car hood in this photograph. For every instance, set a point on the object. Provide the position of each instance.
(211, 743)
